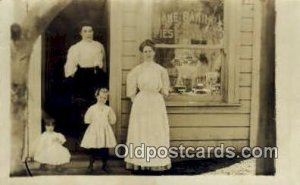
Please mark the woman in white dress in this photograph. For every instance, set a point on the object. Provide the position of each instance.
(49, 149)
(147, 83)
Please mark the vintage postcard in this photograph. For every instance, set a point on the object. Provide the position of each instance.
(154, 90)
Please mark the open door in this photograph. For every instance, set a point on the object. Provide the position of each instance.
(59, 36)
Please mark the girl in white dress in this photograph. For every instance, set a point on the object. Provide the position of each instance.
(49, 149)
(99, 135)
(147, 83)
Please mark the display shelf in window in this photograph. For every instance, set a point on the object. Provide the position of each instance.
(189, 46)
(193, 72)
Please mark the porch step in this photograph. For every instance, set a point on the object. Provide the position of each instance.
(82, 160)
(79, 164)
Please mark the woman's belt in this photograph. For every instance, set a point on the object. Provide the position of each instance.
(95, 69)
(149, 91)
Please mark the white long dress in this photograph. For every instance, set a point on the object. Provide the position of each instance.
(148, 121)
(99, 134)
(49, 149)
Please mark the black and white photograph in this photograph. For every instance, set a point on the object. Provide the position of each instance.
(143, 88)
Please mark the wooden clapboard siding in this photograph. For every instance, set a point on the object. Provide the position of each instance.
(237, 144)
(245, 93)
(247, 10)
(129, 19)
(130, 61)
(130, 6)
(198, 125)
(245, 79)
(247, 25)
(204, 133)
(245, 2)
(129, 48)
(247, 38)
(245, 65)
(211, 133)
(129, 34)
(246, 52)
(202, 120)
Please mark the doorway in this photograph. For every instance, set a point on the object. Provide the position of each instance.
(57, 39)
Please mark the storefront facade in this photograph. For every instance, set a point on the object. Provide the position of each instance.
(207, 117)
(205, 108)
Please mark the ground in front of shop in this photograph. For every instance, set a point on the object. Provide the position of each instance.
(79, 164)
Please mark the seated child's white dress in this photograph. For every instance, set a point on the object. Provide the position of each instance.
(49, 149)
(99, 134)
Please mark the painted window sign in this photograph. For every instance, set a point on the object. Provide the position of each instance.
(189, 37)
(188, 22)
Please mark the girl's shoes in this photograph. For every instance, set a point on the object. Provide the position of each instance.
(90, 168)
(106, 169)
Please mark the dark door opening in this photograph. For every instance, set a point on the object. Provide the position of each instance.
(57, 39)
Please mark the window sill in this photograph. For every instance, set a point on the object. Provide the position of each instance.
(200, 104)
(198, 101)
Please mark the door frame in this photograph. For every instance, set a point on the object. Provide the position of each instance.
(115, 77)
(115, 70)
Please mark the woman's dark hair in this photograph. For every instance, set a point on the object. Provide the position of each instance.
(145, 43)
(49, 122)
(85, 23)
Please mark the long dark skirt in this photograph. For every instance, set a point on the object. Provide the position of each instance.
(87, 80)
(81, 89)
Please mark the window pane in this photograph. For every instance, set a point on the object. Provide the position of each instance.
(188, 22)
(193, 72)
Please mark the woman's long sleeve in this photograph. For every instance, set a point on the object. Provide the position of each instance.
(131, 84)
(71, 64)
(100, 56)
(165, 83)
